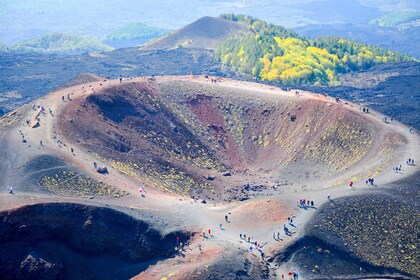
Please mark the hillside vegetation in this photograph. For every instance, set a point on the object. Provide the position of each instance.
(405, 19)
(135, 30)
(274, 53)
(58, 42)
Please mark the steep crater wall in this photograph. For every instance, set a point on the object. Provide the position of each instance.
(71, 241)
(198, 138)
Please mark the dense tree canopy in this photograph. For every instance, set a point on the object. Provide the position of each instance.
(274, 53)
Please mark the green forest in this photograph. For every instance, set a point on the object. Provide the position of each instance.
(403, 19)
(58, 42)
(274, 53)
(135, 30)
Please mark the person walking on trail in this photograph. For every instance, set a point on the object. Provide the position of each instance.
(351, 184)
(209, 231)
(10, 189)
(95, 165)
(226, 218)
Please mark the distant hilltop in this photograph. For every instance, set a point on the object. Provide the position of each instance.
(204, 33)
(58, 42)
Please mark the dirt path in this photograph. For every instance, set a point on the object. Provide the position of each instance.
(258, 218)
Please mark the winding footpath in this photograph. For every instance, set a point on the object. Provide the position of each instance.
(193, 215)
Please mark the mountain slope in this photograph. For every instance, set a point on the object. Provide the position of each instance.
(280, 55)
(203, 33)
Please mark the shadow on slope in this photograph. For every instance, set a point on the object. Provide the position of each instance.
(71, 241)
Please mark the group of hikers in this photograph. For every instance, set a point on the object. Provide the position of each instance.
(397, 169)
(385, 119)
(305, 203)
(365, 110)
(121, 78)
(370, 181)
(68, 98)
(41, 111)
(180, 246)
(254, 244)
(293, 275)
(276, 235)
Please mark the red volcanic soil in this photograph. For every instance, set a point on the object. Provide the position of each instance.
(222, 142)
(185, 136)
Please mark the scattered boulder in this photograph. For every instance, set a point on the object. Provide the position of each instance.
(210, 178)
(37, 267)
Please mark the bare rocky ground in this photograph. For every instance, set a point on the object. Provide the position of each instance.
(373, 234)
(27, 77)
(389, 89)
(242, 134)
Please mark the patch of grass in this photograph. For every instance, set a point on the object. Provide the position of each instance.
(72, 184)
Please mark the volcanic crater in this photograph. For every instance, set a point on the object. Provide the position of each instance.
(223, 139)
